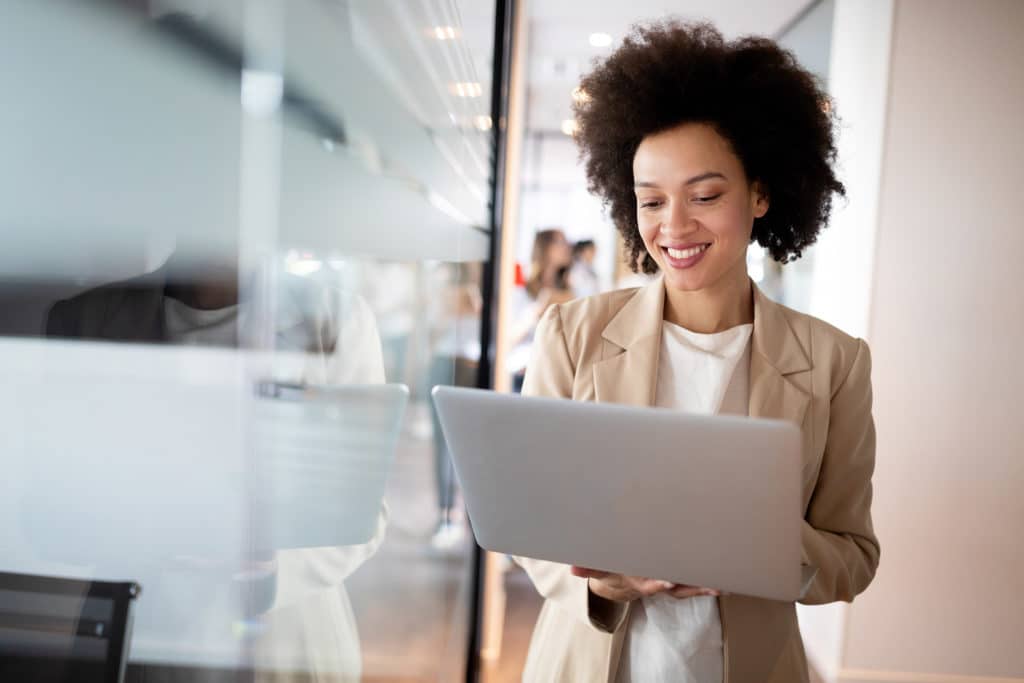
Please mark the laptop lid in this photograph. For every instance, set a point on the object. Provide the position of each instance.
(703, 500)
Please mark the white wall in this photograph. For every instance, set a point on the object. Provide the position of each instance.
(947, 330)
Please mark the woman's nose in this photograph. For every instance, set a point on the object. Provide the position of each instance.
(678, 221)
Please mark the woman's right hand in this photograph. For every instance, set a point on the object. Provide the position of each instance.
(621, 588)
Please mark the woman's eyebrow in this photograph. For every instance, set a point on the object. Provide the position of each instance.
(691, 181)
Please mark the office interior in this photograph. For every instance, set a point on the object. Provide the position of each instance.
(241, 237)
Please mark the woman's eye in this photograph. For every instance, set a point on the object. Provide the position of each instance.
(709, 198)
(649, 204)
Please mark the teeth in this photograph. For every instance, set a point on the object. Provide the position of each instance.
(686, 253)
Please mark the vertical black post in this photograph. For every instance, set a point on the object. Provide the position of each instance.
(504, 22)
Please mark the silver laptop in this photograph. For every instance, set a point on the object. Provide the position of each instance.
(703, 500)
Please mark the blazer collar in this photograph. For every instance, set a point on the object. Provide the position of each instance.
(628, 370)
(774, 338)
(777, 354)
(640, 317)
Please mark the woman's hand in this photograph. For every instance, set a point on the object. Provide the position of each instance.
(621, 588)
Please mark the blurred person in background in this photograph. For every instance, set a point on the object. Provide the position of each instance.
(700, 146)
(583, 278)
(196, 301)
(548, 283)
(456, 355)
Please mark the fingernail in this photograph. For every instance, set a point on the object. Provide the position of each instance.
(665, 585)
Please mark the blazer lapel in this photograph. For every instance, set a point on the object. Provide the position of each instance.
(632, 341)
(776, 354)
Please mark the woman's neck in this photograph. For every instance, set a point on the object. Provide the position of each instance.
(726, 304)
(549, 276)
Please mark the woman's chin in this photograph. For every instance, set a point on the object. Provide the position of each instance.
(683, 282)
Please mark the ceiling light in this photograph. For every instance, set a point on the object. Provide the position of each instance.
(445, 32)
(303, 266)
(262, 91)
(482, 122)
(569, 127)
(466, 89)
(600, 40)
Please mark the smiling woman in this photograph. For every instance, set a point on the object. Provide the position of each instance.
(695, 223)
(699, 147)
(767, 112)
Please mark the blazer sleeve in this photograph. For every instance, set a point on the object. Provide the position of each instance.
(550, 373)
(838, 537)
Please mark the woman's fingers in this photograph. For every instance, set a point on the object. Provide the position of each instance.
(624, 588)
(587, 573)
(648, 587)
(681, 591)
(618, 587)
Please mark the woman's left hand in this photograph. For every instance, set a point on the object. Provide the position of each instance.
(679, 591)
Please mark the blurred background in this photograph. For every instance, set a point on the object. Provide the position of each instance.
(241, 237)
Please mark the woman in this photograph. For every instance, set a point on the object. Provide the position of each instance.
(550, 260)
(698, 147)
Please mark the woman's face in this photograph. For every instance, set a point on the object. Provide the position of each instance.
(694, 206)
(559, 252)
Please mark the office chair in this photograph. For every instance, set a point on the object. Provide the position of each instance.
(55, 630)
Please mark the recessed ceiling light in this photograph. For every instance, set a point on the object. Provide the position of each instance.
(445, 32)
(482, 122)
(600, 39)
(569, 127)
(466, 89)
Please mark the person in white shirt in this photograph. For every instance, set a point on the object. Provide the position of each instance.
(330, 336)
(583, 277)
(546, 284)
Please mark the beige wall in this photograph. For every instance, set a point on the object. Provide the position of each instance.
(947, 335)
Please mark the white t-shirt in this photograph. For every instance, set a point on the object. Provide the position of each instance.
(668, 639)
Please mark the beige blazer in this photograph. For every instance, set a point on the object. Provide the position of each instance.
(605, 348)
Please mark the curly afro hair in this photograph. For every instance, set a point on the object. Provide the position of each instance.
(777, 119)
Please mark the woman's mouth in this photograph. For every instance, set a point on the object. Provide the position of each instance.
(686, 257)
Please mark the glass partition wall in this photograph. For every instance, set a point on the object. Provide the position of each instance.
(241, 242)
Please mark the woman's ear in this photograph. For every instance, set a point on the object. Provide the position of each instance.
(760, 197)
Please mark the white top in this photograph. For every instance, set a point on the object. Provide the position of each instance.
(584, 280)
(524, 314)
(668, 639)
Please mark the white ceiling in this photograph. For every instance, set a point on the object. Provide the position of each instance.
(560, 52)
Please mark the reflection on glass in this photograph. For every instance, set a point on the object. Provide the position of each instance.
(225, 226)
